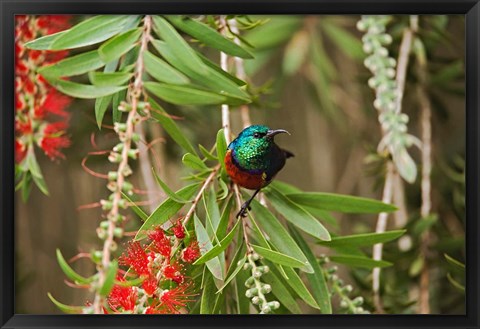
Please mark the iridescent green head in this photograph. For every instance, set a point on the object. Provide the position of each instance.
(252, 146)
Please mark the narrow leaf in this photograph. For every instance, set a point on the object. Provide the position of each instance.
(109, 79)
(136, 209)
(91, 31)
(208, 36)
(278, 257)
(174, 196)
(193, 162)
(179, 47)
(109, 279)
(207, 302)
(165, 210)
(213, 265)
(297, 215)
(362, 240)
(340, 203)
(162, 71)
(356, 261)
(170, 127)
(44, 43)
(66, 308)
(83, 91)
(75, 65)
(219, 248)
(317, 280)
(69, 272)
(279, 236)
(119, 45)
(183, 95)
(282, 293)
(101, 106)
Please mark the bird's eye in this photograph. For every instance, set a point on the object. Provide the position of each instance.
(257, 135)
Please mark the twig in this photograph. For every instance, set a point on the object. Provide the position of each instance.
(426, 151)
(135, 93)
(381, 226)
(403, 58)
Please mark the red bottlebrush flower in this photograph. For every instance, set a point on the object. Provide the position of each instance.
(124, 297)
(161, 242)
(191, 253)
(150, 285)
(178, 230)
(137, 258)
(54, 139)
(174, 299)
(54, 103)
(25, 128)
(29, 87)
(21, 67)
(20, 151)
(173, 272)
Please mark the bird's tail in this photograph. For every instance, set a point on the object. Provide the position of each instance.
(288, 154)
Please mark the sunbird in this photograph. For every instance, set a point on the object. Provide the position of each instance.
(253, 159)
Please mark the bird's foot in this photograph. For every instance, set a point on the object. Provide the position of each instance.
(243, 210)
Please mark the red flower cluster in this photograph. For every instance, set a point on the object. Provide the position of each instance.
(161, 264)
(35, 100)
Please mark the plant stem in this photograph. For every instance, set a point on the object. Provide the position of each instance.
(426, 186)
(403, 58)
(135, 92)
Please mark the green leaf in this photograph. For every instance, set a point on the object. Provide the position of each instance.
(285, 188)
(299, 287)
(221, 148)
(207, 302)
(457, 266)
(455, 283)
(170, 126)
(238, 268)
(165, 210)
(101, 106)
(119, 45)
(340, 203)
(279, 236)
(32, 164)
(183, 95)
(212, 79)
(362, 240)
(297, 215)
(318, 284)
(91, 31)
(416, 266)
(213, 212)
(116, 100)
(66, 308)
(178, 46)
(193, 162)
(208, 36)
(75, 65)
(277, 257)
(44, 43)
(405, 165)
(276, 32)
(350, 45)
(136, 209)
(424, 224)
(109, 79)
(109, 279)
(69, 272)
(296, 52)
(172, 195)
(162, 71)
(219, 248)
(130, 283)
(224, 219)
(83, 91)
(41, 184)
(217, 69)
(206, 153)
(282, 293)
(356, 261)
(213, 265)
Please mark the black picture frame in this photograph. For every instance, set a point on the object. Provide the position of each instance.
(9, 8)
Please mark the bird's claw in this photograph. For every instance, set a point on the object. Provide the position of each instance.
(243, 211)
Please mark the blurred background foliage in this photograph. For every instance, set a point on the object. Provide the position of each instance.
(309, 72)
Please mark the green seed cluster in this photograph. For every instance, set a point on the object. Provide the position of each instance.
(387, 97)
(256, 288)
(347, 305)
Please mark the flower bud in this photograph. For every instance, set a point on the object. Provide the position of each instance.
(256, 273)
(118, 232)
(118, 148)
(255, 300)
(266, 289)
(114, 157)
(266, 308)
(274, 305)
(250, 282)
(251, 292)
(112, 175)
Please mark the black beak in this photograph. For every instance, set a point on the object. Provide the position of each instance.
(272, 133)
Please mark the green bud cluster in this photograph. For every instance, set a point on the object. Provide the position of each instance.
(348, 305)
(387, 97)
(256, 288)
